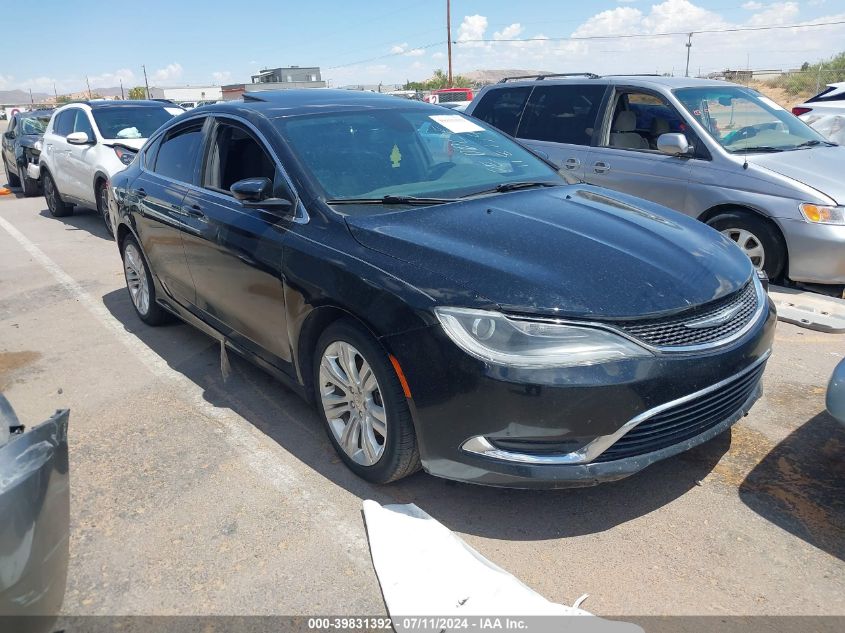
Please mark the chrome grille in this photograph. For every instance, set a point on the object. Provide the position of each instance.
(684, 421)
(674, 331)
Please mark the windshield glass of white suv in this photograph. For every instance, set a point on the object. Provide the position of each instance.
(416, 153)
(742, 120)
(129, 121)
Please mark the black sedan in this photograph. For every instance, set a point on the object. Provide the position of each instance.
(444, 297)
(22, 149)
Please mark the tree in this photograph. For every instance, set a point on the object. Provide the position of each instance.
(62, 99)
(138, 92)
(438, 80)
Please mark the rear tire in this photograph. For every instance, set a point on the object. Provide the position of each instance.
(369, 423)
(30, 185)
(757, 238)
(139, 283)
(103, 207)
(58, 208)
(13, 180)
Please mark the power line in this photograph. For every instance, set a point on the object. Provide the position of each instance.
(373, 59)
(648, 35)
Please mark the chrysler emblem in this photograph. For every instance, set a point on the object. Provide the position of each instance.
(719, 318)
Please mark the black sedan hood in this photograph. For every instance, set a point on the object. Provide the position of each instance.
(569, 251)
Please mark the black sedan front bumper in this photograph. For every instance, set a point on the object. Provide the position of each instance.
(530, 428)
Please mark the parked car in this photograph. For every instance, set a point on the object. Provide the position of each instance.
(457, 106)
(829, 101)
(716, 151)
(190, 105)
(86, 143)
(21, 144)
(34, 520)
(478, 316)
(835, 399)
(448, 95)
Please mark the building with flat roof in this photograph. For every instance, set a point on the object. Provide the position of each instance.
(284, 78)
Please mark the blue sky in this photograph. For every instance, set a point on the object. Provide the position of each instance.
(225, 41)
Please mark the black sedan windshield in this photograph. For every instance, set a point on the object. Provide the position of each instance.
(132, 121)
(409, 153)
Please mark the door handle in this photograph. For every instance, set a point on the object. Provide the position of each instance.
(601, 167)
(572, 163)
(195, 210)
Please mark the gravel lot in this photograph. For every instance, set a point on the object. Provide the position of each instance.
(191, 495)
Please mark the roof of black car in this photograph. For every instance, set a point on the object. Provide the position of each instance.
(43, 112)
(308, 100)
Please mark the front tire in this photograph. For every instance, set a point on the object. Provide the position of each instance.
(103, 207)
(756, 237)
(30, 185)
(57, 207)
(362, 404)
(139, 283)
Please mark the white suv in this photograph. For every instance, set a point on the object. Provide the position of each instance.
(87, 143)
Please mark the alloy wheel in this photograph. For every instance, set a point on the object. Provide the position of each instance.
(104, 208)
(750, 245)
(49, 192)
(353, 404)
(136, 278)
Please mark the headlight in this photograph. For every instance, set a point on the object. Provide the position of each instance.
(818, 214)
(37, 146)
(495, 338)
(126, 156)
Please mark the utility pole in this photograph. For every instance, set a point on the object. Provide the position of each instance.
(55, 94)
(449, 39)
(689, 46)
(31, 100)
(87, 83)
(145, 80)
(122, 96)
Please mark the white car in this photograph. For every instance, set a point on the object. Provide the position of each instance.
(86, 143)
(830, 101)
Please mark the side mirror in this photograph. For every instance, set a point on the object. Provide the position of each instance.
(674, 144)
(257, 192)
(9, 135)
(79, 138)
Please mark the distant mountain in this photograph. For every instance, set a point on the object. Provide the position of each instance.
(484, 77)
(20, 97)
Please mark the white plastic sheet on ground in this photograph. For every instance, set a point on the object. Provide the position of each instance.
(425, 570)
(831, 126)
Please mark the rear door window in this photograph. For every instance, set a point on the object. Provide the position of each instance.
(177, 154)
(562, 113)
(502, 107)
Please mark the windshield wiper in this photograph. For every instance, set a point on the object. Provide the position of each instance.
(514, 186)
(813, 143)
(757, 148)
(392, 199)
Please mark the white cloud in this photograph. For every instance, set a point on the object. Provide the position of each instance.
(402, 49)
(753, 6)
(777, 13)
(221, 76)
(473, 27)
(113, 79)
(509, 32)
(168, 73)
(438, 55)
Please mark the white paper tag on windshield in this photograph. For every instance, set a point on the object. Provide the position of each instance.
(456, 123)
(771, 103)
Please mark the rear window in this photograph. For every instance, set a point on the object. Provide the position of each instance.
(831, 93)
(562, 114)
(502, 107)
(131, 121)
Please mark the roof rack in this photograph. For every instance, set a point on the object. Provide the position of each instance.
(542, 77)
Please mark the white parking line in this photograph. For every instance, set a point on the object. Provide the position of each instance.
(263, 456)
